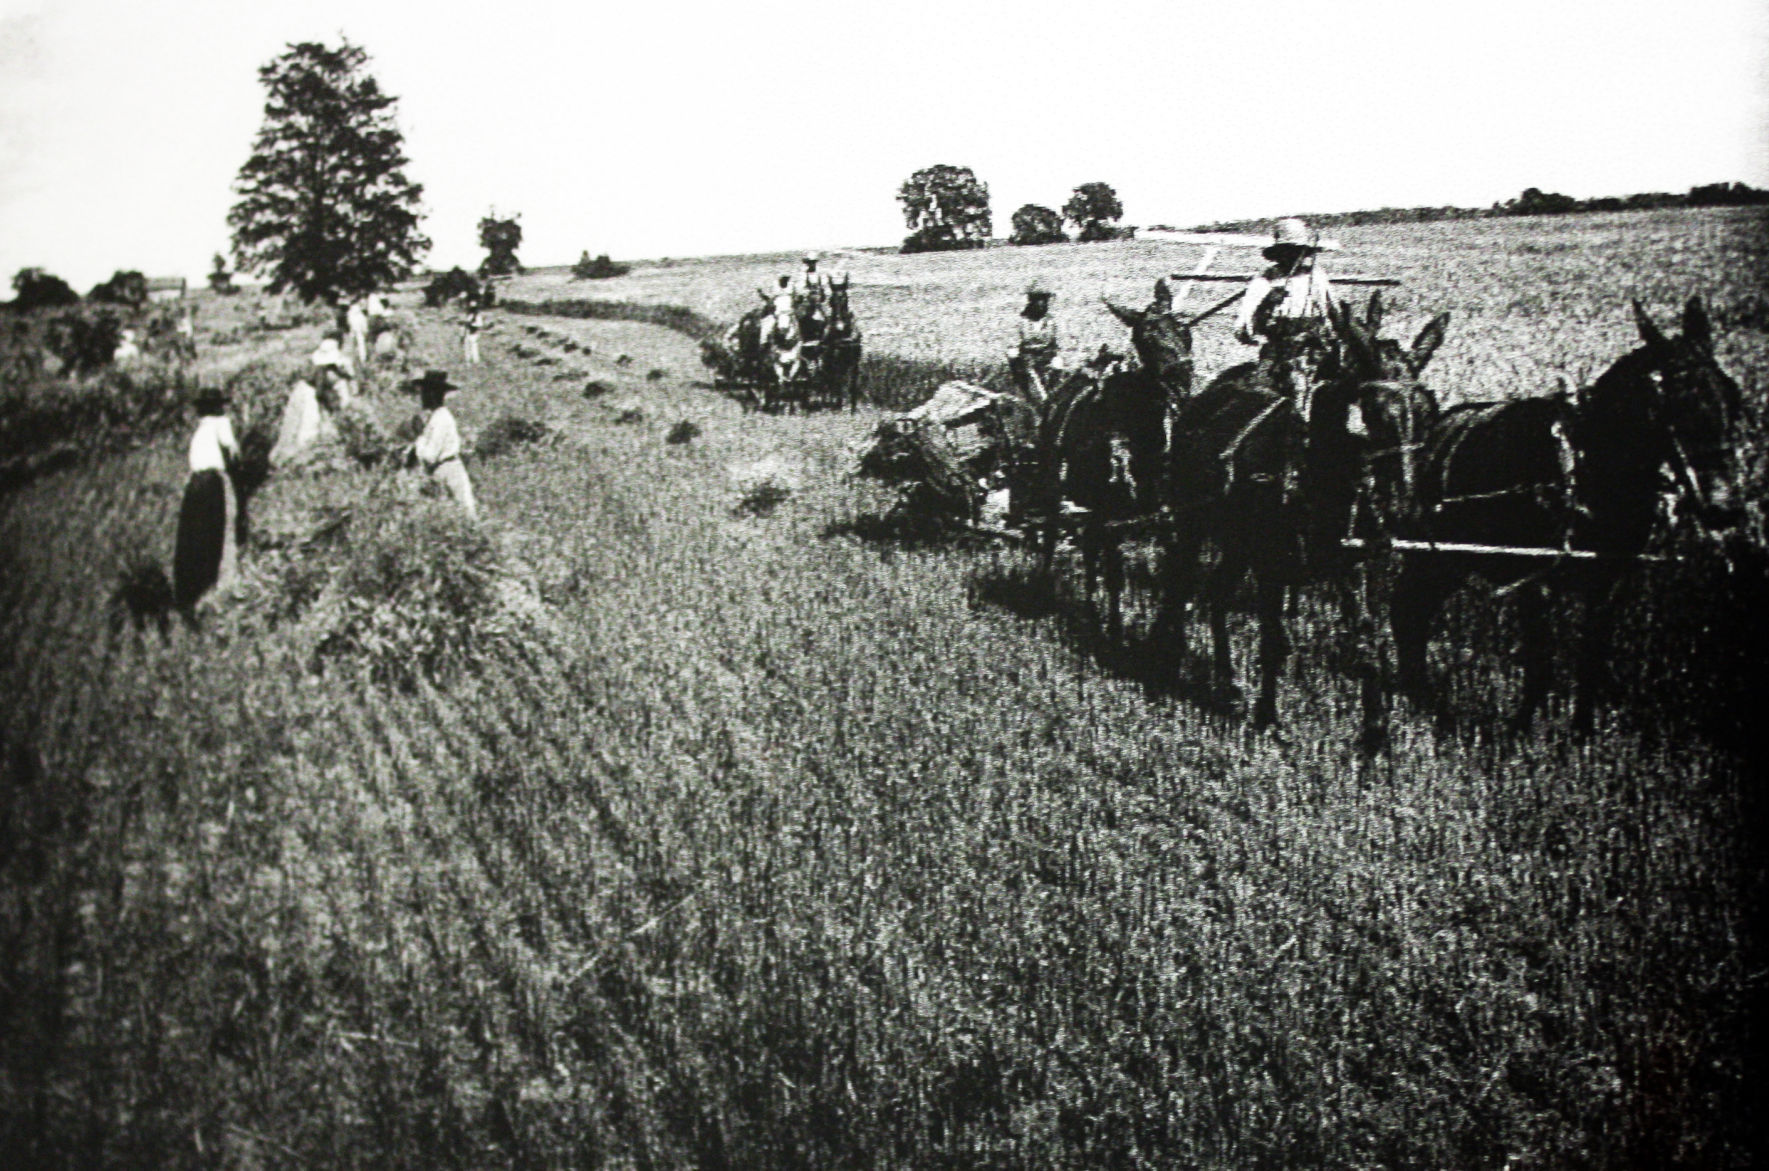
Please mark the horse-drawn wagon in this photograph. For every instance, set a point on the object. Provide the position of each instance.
(808, 357)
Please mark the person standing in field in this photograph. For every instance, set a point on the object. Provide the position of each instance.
(475, 321)
(1285, 312)
(438, 449)
(309, 414)
(205, 555)
(356, 320)
(1037, 344)
(813, 286)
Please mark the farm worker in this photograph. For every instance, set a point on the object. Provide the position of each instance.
(781, 323)
(1036, 349)
(470, 333)
(331, 361)
(1287, 306)
(813, 286)
(307, 415)
(1162, 302)
(438, 449)
(206, 552)
(375, 306)
(127, 347)
(356, 319)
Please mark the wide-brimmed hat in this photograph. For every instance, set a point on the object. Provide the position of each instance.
(329, 354)
(813, 257)
(1038, 288)
(434, 382)
(209, 400)
(1292, 234)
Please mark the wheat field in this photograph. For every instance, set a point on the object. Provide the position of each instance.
(745, 839)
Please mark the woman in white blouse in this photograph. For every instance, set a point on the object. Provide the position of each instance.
(206, 553)
(438, 449)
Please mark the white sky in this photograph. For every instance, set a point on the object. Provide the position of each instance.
(652, 129)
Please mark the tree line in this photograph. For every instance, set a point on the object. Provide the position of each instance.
(947, 208)
(1531, 201)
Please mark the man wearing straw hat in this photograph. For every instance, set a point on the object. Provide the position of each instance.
(1037, 344)
(438, 449)
(812, 285)
(1285, 310)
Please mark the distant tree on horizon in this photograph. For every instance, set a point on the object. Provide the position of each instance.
(220, 279)
(35, 289)
(325, 208)
(1034, 224)
(1095, 211)
(945, 207)
(500, 238)
(601, 268)
(124, 288)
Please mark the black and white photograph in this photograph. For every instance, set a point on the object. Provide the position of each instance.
(920, 585)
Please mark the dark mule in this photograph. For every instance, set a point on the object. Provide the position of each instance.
(841, 349)
(1105, 429)
(1275, 492)
(1585, 472)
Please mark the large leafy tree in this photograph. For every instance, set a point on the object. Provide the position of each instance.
(124, 288)
(325, 208)
(945, 207)
(500, 239)
(1095, 211)
(36, 289)
(1033, 224)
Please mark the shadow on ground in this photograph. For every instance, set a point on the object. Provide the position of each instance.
(1144, 656)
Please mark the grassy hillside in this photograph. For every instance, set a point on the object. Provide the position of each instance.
(754, 840)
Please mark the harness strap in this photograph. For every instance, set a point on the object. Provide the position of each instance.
(1228, 453)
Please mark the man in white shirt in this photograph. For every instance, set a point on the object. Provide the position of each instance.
(1285, 311)
(812, 286)
(1036, 343)
(438, 449)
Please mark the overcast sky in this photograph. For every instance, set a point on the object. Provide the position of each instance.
(656, 129)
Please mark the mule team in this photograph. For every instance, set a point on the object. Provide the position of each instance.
(1296, 468)
(801, 346)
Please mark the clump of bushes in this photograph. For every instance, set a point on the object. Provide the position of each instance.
(361, 436)
(600, 268)
(685, 431)
(508, 432)
(762, 486)
(47, 418)
(124, 288)
(143, 595)
(457, 284)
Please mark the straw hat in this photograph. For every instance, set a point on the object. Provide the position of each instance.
(1292, 233)
(813, 257)
(1038, 288)
(433, 385)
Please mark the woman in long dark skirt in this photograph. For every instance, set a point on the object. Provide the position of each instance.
(205, 554)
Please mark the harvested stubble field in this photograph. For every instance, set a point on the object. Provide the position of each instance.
(760, 842)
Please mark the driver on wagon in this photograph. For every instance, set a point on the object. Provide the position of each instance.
(1285, 308)
(1037, 345)
(812, 285)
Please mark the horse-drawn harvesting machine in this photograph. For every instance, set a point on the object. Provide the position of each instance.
(802, 358)
(1297, 483)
